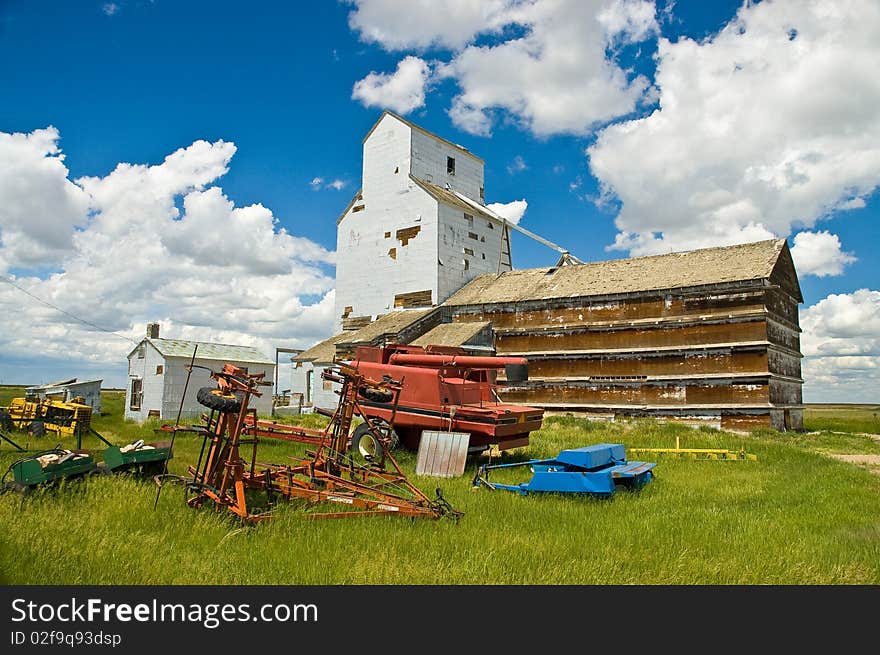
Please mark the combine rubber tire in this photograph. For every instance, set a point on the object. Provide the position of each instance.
(222, 401)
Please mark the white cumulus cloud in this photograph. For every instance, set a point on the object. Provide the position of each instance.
(513, 211)
(819, 253)
(211, 272)
(547, 66)
(419, 24)
(39, 205)
(403, 90)
(768, 126)
(841, 347)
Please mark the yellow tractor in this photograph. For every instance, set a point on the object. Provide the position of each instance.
(39, 417)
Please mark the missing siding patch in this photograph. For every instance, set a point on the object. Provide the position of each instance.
(357, 208)
(407, 233)
(392, 252)
(388, 235)
(413, 299)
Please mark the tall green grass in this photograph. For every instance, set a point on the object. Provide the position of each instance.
(791, 517)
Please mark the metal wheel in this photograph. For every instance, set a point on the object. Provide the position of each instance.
(365, 443)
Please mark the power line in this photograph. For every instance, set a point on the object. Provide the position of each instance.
(65, 312)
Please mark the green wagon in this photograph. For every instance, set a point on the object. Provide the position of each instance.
(144, 459)
(46, 467)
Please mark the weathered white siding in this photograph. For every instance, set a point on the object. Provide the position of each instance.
(467, 247)
(299, 375)
(144, 368)
(175, 381)
(323, 391)
(429, 162)
(375, 258)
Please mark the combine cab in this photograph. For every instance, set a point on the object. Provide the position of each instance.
(444, 389)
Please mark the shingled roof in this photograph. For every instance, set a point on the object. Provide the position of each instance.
(212, 351)
(323, 351)
(695, 268)
(451, 334)
(386, 325)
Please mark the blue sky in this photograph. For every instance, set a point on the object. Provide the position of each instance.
(675, 128)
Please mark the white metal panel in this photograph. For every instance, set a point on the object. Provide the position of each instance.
(442, 454)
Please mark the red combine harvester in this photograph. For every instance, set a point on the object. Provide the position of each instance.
(443, 389)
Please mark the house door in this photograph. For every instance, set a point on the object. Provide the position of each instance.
(137, 393)
(309, 376)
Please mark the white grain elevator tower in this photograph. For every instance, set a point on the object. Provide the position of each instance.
(418, 229)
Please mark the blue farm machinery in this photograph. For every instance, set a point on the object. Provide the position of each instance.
(596, 470)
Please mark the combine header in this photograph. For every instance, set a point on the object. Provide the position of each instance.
(376, 486)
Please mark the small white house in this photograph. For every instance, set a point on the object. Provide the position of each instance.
(157, 375)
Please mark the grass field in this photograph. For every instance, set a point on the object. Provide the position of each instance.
(794, 516)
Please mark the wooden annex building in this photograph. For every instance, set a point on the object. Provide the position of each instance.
(708, 334)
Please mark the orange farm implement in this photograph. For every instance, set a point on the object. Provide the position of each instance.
(328, 474)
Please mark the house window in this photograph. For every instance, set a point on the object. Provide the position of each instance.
(469, 219)
(482, 195)
(160, 369)
(309, 376)
(450, 165)
(140, 351)
(137, 392)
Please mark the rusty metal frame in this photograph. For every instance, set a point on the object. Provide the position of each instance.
(328, 474)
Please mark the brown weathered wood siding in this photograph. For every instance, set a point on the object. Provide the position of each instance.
(729, 353)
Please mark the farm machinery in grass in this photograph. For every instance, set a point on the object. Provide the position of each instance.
(40, 417)
(370, 486)
(445, 390)
(597, 470)
(56, 464)
(69, 419)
